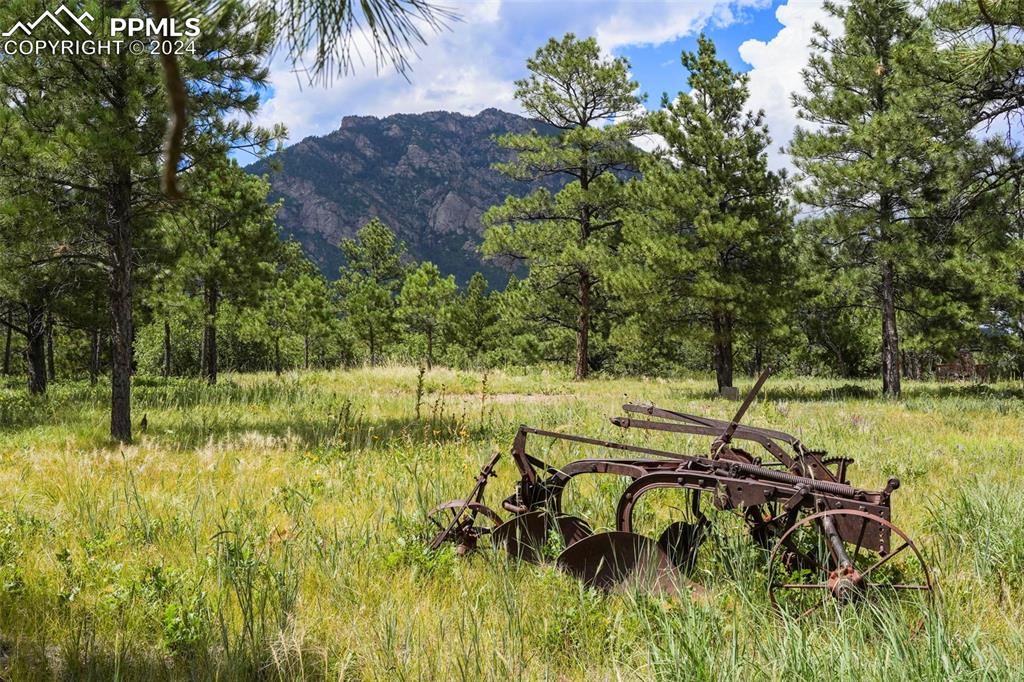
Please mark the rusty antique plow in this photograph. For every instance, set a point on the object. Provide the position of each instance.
(826, 541)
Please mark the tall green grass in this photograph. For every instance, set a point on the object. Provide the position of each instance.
(272, 528)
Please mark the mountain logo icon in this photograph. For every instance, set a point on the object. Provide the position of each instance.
(71, 17)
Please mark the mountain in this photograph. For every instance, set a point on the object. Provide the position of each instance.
(428, 176)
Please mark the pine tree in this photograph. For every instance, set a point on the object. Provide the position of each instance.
(885, 145)
(711, 237)
(424, 305)
(312, 310)
(93, 125)
(568, 239)
(474, 318)
(228, 244)
(300, 303)
(983, 64)
(369, 282)
(33, 281)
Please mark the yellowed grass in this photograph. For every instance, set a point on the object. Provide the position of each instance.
(272, 527)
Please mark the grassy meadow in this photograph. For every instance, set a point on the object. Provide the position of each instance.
(272, 527)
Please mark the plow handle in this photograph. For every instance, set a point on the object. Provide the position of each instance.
(726, 436)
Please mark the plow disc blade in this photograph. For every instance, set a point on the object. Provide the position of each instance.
(524, 536)
(680, 542)
(617, 559)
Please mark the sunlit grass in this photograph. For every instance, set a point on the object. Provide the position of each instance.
(272, 527)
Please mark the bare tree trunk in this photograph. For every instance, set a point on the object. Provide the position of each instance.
(583, 329)
(277, 355)
(373, 348)
(7, 342)
(583, 317)
(121, 294)
(430, 348)
(890, 335)
(94, 358)
(202, 351)
(723, 357)
(210, 334)
(305, 348)
(166, 369)
(51, 370)
(35, 351)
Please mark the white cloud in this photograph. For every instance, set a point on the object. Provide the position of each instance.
(473, 65)
(653, 22)
(776, 66)
(484, 10)
(454, 71)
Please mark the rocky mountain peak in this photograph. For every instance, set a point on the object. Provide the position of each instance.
(429, 176)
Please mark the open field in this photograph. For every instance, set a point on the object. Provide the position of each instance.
(272, 526)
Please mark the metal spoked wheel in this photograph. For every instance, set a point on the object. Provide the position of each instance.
(808, 572)
(457, 522)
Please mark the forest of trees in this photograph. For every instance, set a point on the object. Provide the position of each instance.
(896, 243)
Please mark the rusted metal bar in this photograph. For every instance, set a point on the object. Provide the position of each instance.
(745, 430)
(697, 430)
(723, 440)
(475, 496)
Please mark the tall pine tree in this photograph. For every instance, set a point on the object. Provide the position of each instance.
(568, 239)
(228, 244)
(93, 125)
(711, 238)
(369, 282)
(424, 306)
(884, 149)
(475, 319)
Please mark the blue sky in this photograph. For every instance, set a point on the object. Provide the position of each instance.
(657, 67)
(473, 65)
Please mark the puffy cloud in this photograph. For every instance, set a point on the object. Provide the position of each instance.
(458, 70)
(776, 66)
(660, 21)
(473, 65)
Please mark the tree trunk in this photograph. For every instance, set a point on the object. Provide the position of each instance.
(722, 324)
(430, 348)
(35, 351)
(305, 349)
(7, 343)
(51, 370)
(277, 355)
(94, 358)
(583, 329)
(585, 283)
(210, 334)
(166, 368)
(758, 359)
(890, 335)
(373, 348)
(121, 292)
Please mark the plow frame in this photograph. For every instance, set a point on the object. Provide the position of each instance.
(733, 484)
(795, 488)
